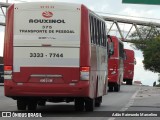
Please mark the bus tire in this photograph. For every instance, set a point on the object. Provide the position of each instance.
(21, 105)
(89, 104)
(130, 82)
(79, 104)
(32, 105)
(110, 89)
(116, 88)
(127, 82)
(98, 101)
(42, 103)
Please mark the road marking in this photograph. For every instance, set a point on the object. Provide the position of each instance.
(112, 118)
(131, 101)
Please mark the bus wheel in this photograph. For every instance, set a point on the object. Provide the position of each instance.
(116, 88)
(79, 104)
(42, 103)
(130, 82)
(32, 105)
(110, 89)
(21, 105)
(127, 82)
(89, 104)
(98, 102)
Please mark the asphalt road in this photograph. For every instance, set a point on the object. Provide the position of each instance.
(129, 99)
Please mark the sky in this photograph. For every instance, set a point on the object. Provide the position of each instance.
(117, 9)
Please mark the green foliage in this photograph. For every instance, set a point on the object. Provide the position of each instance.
(146, 33)
(138, 44)
(149, 44)
(151, 55)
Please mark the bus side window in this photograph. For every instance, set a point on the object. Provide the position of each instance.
(91, 28)
(100, 33)
(104, 34)
(95, 30)
(98, 41)
(101, 29)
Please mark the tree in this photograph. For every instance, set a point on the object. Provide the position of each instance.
(149, 44)
(146, 34)
(151, 55)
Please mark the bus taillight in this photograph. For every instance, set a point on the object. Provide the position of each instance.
(7, 72)
(84, 73)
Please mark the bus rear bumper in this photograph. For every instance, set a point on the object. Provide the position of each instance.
(113, 79)
(79, 89)
(126, 77)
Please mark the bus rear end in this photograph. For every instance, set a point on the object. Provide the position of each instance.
(129, 63)
(1, 73)
(42, 54)
(115, 65)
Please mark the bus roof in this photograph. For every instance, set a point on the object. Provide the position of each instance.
(48, 5)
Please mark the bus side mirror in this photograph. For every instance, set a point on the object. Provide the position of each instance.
(135, 62)
(111, 48)
(124, 55)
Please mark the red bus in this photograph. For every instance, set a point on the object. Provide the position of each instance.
(115, 65)
(55, 52)
(1, 73)
(129, 63)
